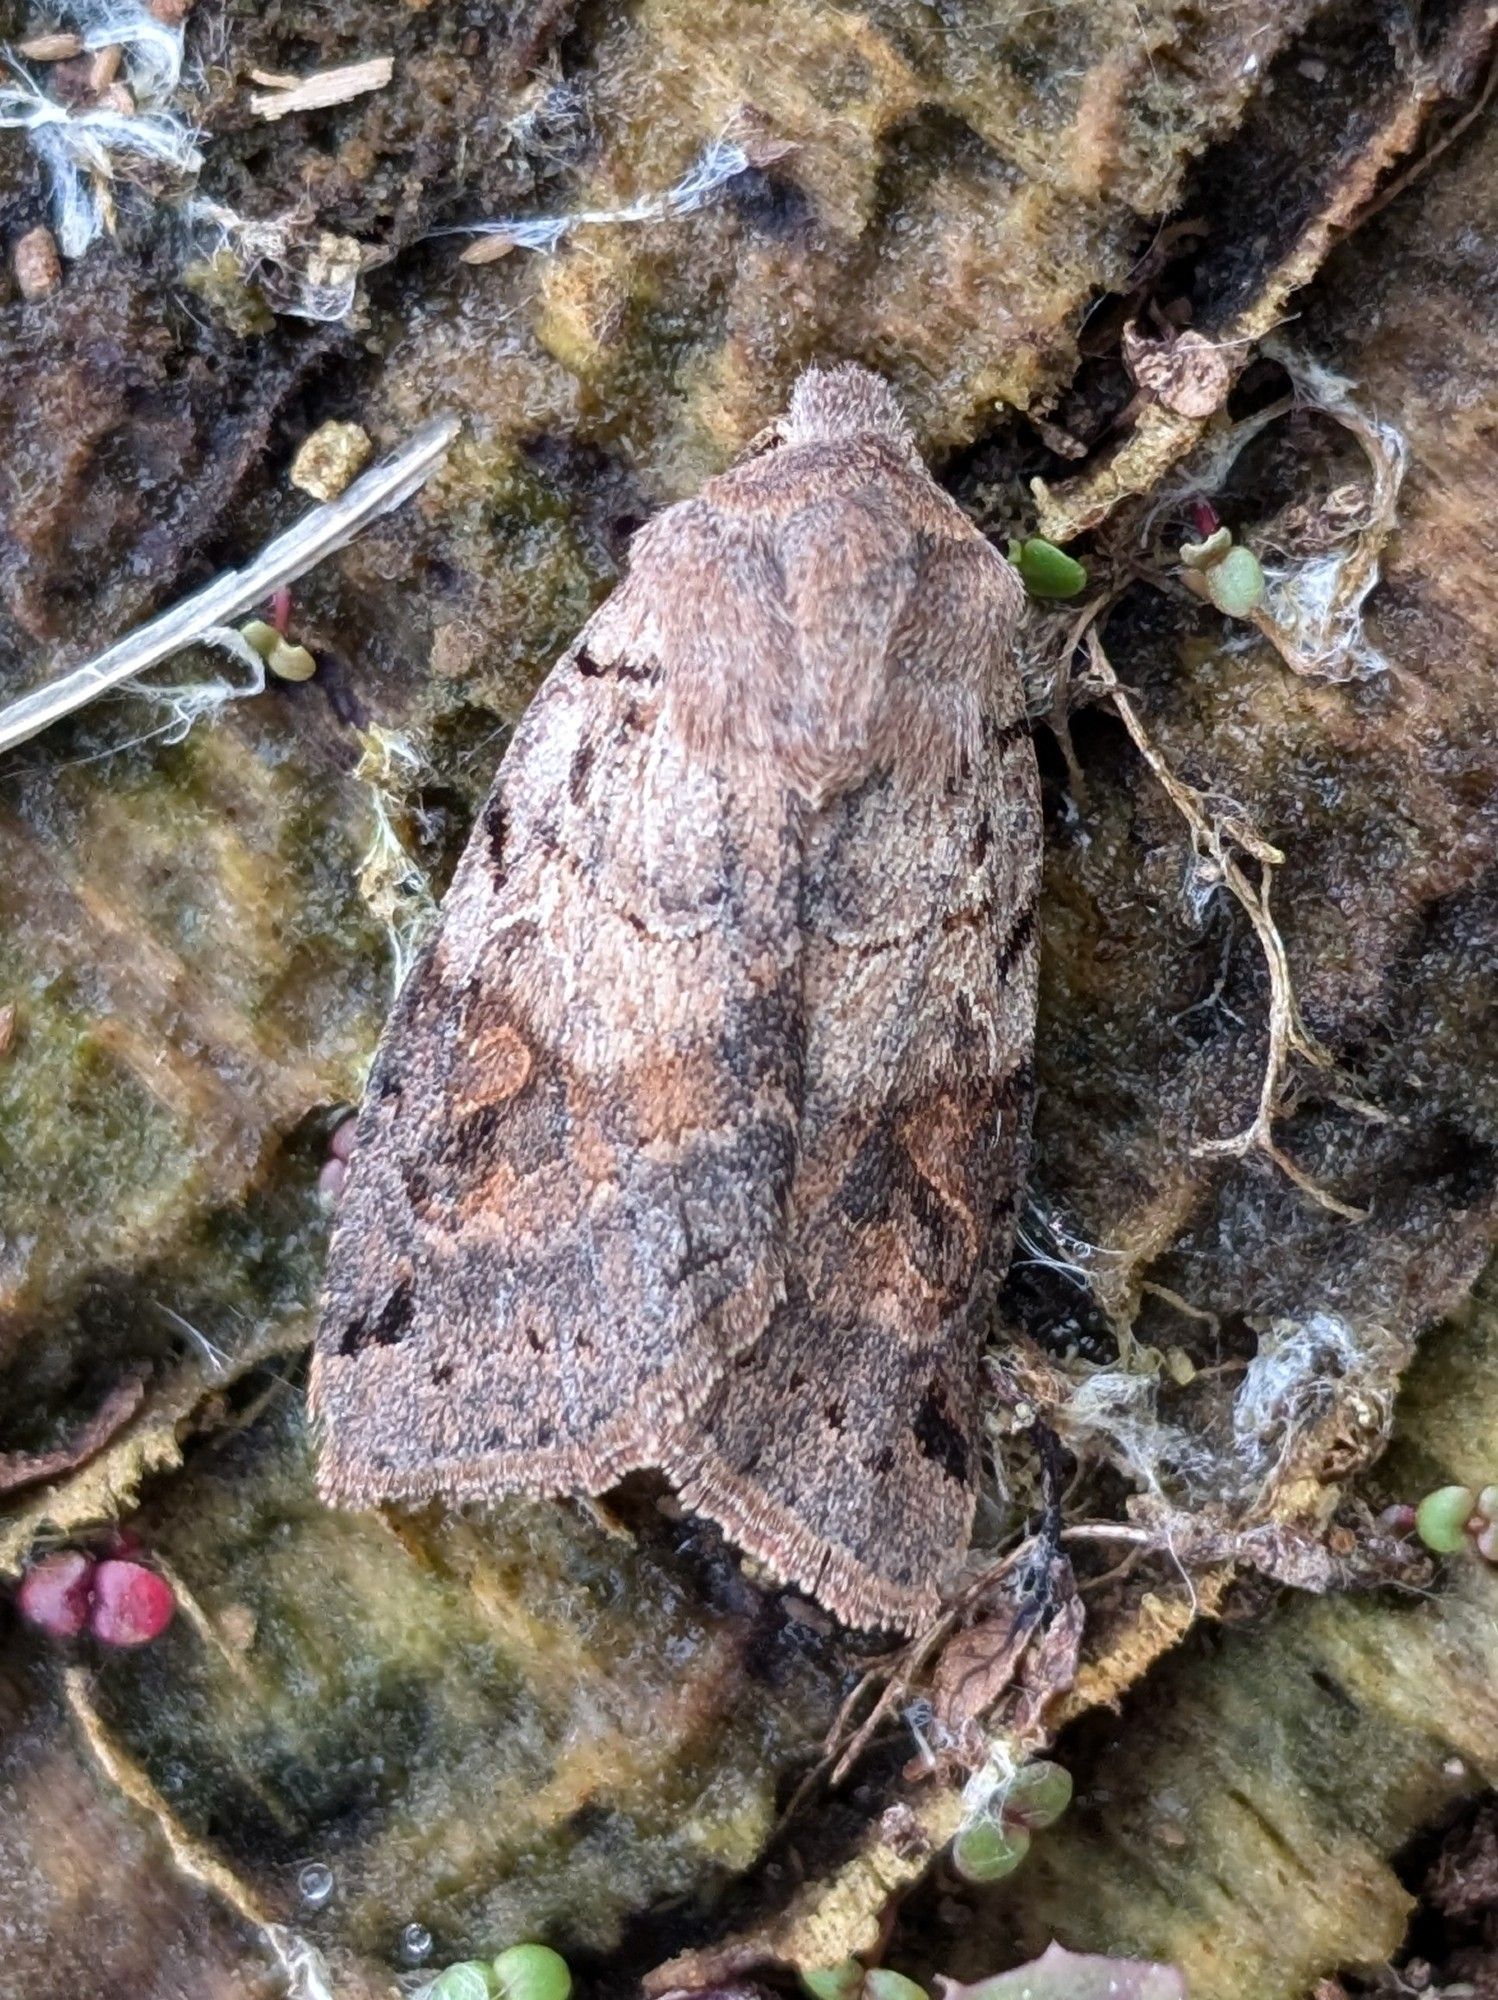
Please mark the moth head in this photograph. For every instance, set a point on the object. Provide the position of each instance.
(844, 403)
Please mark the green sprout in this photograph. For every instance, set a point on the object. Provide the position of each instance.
(1045, 570)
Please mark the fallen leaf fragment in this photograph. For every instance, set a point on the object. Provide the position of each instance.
(1018, 1656)
(1185, 372)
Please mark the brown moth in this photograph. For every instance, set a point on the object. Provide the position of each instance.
(706, 1106)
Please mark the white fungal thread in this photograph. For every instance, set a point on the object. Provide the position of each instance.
(719, 163)
(303, 275)
(1305, 1371)
(84, 152)
(391, 880)
(305, 1968)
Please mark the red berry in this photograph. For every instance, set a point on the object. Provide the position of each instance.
(132, 1604)
(54, 1594)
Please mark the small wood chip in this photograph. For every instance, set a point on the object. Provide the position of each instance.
(7, 1030)
(59, 47)
(36, 263)
(324, 87)
(328, 460)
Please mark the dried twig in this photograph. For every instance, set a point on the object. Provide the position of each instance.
(1214, 838)
(318, 534)
(322, 88)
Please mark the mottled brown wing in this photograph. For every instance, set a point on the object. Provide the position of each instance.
(841, 1448)
(566, 1207)
(697, 1122)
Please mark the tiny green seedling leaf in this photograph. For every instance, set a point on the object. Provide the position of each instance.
(1045, 570)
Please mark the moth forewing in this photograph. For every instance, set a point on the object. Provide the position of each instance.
(705, 1110)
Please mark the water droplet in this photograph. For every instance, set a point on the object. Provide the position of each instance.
(416, 1943)
(314, 1883)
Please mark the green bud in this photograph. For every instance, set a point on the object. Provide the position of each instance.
(1236, 584)
(987, 1851)
(1045, 570)
(1202, 555)
(882, 1984)
(467, 1980)
(291, 663)
(834, 1982)
(1441, 1518)
(532, 1972)
(260, 637)
(1038, 1796)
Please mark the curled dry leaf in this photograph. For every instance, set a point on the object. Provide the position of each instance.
(1059, 1974)
(1184, 372)
(1047, 1669)
(979, 1663)
(1024, 1646)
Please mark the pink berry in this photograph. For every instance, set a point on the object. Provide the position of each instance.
(341, 1145)
(54, 1594)
(330, 1182)
(132, 1604)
